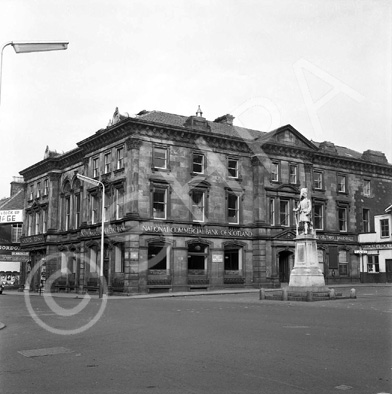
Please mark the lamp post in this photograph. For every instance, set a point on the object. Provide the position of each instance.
(26, 47)
(97, 183)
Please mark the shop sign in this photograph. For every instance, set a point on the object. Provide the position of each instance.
(13, 216)
(197, 231)
(326, 237)
(377, 246)
(8, 257)
(111, 229)
(8, 249)
(32, 239)
(360, 252)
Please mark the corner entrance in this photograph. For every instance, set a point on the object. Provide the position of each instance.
(286, 260)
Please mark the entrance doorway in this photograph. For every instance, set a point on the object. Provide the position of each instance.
(388, 269)
(286, 259)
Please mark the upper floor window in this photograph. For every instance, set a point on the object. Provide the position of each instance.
(342, 186)
(232, 167)
(160, 158)
(198, 163)
(284, 213)
(30, 224)
(342, 219)
(318, 180)
(94, 208)
(293, 174)
(159, 197)
(37, 223)
(38, 190)
(384, 224)
(46, 187)
(77, 200)
(232, 208)
(198, 205)
(119, 201)
(44, 221)
(318, 216)
(16, 232)
(366, 187)
(107, 158)
(95, 167)
(120, 158)
(31, 192)
(366, 220)
(274, 172)
(272, 211)
(67, 209)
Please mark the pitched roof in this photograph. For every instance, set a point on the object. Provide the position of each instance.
(14, 202)
(221, 129)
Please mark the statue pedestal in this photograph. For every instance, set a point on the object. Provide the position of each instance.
(306, 274)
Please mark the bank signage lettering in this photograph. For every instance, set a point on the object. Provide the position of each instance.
(377, 246)
(197, 231)
(12, 216)
(108, 230)
(32, 239)
(326, 237)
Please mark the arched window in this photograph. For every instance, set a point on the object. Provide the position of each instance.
(77, 201)
(66, 206)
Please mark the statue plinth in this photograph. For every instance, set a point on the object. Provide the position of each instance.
(306, 274)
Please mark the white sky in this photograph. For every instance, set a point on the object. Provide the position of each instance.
(268, 62)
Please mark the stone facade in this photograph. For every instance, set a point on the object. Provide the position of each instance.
(191, 204)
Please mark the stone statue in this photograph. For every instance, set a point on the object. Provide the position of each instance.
(304, 210)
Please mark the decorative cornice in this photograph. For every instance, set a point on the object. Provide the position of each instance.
(133, 143)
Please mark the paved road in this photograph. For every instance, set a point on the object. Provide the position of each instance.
(231, 343)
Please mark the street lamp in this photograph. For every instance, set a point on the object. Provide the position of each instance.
(97, 183)
(26, 47)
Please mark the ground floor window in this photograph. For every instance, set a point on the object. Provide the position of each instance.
(232, 258)
(157, 257)
(373, 265)
(343, 264)
(197, 258)
(119, 258)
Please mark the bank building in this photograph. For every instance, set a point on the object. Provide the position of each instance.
(194, 204)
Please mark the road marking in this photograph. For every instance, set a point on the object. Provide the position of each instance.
(44, 352)
(343, 387)
(296, 326)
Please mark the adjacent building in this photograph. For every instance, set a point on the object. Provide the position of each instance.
(376, 249)
(11, 222)
(195, 204)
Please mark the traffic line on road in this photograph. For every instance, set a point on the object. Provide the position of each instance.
(44, 352)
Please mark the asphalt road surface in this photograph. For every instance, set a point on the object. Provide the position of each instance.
(231, 343)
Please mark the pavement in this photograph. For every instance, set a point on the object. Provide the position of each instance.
(182, 294)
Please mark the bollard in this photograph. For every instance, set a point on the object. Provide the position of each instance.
(353, 293)
(332, 295)
(285, 294)
(262, 294)
(309, 296)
